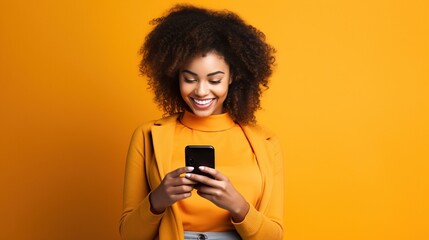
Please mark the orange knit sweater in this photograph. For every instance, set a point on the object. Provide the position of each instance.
(233, 157)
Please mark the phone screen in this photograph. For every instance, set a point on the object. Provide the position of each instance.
(200, 155)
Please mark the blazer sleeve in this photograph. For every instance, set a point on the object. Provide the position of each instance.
(137, 221)
(267, 223)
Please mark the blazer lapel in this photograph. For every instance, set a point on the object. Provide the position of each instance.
(163, 139)
(258, 139)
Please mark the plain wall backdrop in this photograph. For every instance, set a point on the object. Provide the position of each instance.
(348, 99)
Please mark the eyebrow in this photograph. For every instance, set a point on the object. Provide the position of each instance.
(208, 75)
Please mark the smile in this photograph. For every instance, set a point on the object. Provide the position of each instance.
(205, 102)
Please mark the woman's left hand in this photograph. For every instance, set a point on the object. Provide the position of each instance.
(221, 192)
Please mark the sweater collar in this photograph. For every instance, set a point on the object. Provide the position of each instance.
(212, 123)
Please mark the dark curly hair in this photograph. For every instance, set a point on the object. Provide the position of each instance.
(186, 31)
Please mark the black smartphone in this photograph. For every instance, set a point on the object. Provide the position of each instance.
(200, 155)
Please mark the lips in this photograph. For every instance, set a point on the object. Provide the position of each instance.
(202, 103)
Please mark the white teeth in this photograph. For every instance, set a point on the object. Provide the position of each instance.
(203, 102)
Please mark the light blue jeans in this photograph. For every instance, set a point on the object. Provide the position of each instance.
(212, 235)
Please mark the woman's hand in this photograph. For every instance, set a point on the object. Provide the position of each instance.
(221, 192)
(173, 188)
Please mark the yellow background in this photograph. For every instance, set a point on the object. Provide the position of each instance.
(349, 100)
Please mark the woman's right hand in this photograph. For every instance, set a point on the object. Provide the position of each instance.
(174, 187)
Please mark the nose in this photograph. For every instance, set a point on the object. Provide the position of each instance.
(202, 89)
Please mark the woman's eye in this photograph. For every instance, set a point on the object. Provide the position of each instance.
(189, 80)
(214, 81)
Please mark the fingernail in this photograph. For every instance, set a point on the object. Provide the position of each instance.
(190, 168)
(201, 167)
(187, 175)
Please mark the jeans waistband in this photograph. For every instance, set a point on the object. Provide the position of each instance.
(233, 235)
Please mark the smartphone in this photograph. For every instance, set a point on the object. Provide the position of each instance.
(200, 155)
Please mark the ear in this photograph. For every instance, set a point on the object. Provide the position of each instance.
(230, 80)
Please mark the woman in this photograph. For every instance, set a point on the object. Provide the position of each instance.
(207, 70)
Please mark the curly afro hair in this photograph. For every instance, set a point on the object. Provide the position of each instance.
(186, 31)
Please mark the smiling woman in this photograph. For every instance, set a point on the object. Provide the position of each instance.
(207, 70)
(188, 32)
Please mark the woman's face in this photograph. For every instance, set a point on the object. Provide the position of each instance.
(204, 83)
